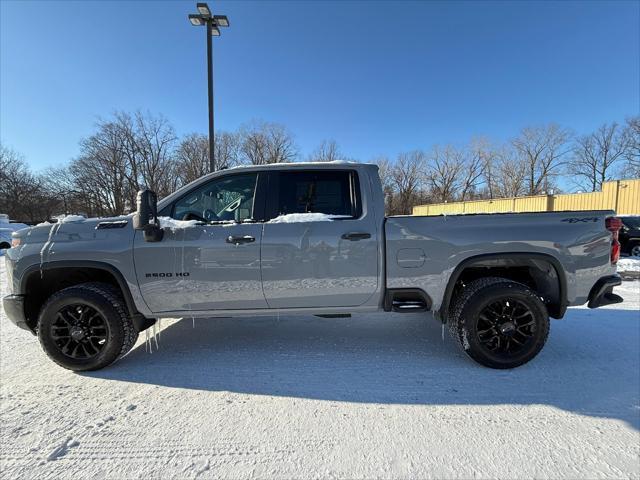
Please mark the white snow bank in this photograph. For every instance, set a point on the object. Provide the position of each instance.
(629, 264)
(305, 217)
(173, 224)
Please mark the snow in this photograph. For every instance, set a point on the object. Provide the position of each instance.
(305, 217)
(298, 397)
(629, 264)
(70, 218)
(173, 224)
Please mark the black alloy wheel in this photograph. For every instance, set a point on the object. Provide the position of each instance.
(79, 331)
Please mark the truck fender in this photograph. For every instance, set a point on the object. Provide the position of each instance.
(507, 259)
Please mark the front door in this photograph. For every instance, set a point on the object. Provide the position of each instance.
(213, 264)
(320, 247)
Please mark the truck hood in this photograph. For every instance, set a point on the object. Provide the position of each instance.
(71, 223)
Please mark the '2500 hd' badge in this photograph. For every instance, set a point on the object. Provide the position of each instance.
(166, 274)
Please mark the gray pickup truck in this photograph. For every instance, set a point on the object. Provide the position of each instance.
(304, 238)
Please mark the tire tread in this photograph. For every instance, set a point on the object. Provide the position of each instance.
(114, 298)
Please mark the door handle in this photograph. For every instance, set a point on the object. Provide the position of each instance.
(355, 236)
(237, 240)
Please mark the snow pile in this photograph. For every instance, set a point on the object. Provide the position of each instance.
(70, 218)
(305, 217)
(173, 224)
(629, 264)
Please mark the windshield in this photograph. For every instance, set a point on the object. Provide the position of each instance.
(631, 222)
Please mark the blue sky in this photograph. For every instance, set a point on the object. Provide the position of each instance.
(378, 77)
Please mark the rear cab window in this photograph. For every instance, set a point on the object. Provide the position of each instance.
(331, 192)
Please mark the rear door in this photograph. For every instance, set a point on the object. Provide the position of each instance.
(312, 263)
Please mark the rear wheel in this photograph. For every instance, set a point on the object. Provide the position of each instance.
(499, 323)
(634, 251)
(86, 327)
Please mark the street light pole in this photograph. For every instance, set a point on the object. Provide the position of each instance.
(212, 22)
(212, 141)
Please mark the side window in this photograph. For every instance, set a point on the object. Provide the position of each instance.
(330, 192)
(227, 198)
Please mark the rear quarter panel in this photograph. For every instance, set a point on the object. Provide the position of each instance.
(422, 252)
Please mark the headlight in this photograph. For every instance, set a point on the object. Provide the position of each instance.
(15, 242)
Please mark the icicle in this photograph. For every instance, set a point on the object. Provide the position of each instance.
(443, 331)
(155, 336)
(193, 319)
(147, 342)
(184, 235)
(159, 329)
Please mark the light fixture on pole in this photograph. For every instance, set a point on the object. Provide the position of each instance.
(213, 24)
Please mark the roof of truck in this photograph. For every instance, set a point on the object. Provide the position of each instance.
(295, 164)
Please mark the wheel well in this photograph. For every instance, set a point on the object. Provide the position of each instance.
(538, 273)
(4, 245)
(40, 286)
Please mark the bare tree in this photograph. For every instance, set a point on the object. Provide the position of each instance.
(509, 174)
(406, 179)
(595, 155)
(327, 151)
(445, 172)
(18, 187)
(632, 143)
(542, 150)
(192, 157)
(23, 194)
(227, 150)
(102, 171)
(262, 143)
(476, 161)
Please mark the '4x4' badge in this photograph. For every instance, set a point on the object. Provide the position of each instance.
(583, 219)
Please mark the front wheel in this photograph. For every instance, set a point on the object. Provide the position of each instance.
(634, 251)
(86, 327)
(499, 323)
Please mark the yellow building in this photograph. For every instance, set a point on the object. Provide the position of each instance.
(622, 196)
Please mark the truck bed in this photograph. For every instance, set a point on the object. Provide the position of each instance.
(424, 251)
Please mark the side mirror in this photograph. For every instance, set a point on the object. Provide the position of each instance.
(146, 217)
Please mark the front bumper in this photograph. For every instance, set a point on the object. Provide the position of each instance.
(602, 292)
(14, 308)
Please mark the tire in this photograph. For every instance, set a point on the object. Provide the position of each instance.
(634, 249)
(86, 327)
(499, 323)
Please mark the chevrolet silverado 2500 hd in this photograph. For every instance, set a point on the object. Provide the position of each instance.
(304, 239)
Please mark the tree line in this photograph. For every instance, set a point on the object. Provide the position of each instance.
(131, 151)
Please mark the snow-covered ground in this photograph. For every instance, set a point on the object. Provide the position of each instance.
(298, 397)
(629, 264)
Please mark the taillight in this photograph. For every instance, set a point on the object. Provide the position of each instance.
(614, 224)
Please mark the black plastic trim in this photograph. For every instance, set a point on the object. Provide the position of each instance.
(14, 308)
(35, 269)
(602, 292)
(391, 293)
(524, 256)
